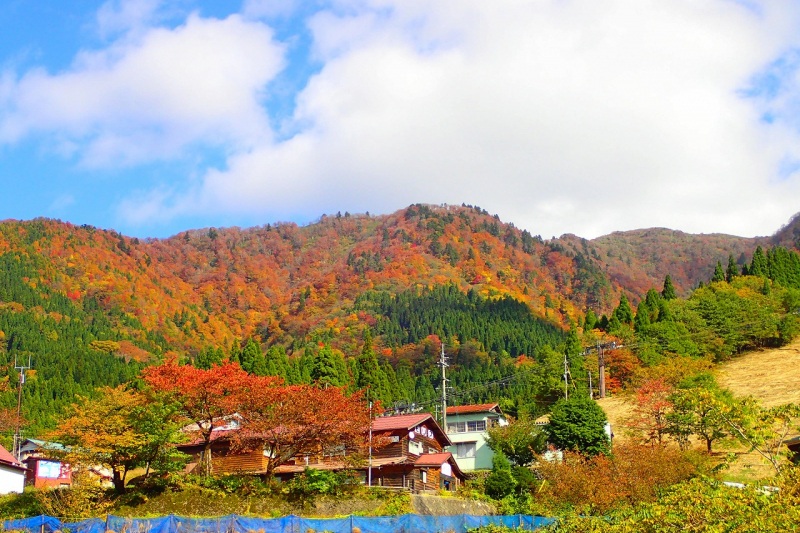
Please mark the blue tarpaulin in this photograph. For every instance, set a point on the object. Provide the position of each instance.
(409, 523)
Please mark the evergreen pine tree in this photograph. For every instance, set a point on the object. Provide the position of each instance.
(324, 368)
(623, 312)
(590, 321)
(251, 353)
(277, 363)
(668, 292)
(758, 266)
(369, 375)
(732, 270)
(573, 347)
(719, 274)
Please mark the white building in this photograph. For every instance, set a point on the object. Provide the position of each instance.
(12, 473)
(466, 428)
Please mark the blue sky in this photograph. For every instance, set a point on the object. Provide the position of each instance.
(562, 116)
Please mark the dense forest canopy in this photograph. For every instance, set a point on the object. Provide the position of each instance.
(361, 301)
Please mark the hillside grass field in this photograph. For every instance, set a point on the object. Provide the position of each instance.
(771, 376)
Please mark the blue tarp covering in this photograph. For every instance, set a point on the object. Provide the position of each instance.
(409, 523)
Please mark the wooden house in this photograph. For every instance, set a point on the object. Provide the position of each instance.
(411, 457)
(224, 459)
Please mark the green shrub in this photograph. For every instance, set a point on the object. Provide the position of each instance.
(500, 482)
(314, 482)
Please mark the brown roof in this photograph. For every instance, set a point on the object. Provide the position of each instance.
(475, 408)
(433, 459)
(409, 422)
(437, 459)
(406, 422)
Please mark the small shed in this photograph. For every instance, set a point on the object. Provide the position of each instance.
(45, 468)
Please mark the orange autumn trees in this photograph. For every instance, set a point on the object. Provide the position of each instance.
(300, 420)
(649, 417)
(284, 420)
(120, 429)
(205, 397)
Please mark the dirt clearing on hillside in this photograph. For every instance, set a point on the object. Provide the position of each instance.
(771, 376)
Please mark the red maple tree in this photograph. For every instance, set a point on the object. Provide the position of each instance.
(301, 420)
(206, 397)
(649, 416)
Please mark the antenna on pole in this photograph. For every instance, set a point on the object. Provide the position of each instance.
(443, 363)
(21, 368)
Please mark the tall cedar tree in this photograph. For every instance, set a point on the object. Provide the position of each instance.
(719, 274)
(733, 269)
(668, 292)
(623, 311)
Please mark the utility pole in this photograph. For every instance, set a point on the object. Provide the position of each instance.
(591, 392)
(601, 363)
(566, 378)
(444, 365)
(369, 470)
(21, 368)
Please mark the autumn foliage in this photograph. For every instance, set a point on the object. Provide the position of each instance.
(284, 420)
(205, 397)
(596, 485)
(649, 418)
(300, 420)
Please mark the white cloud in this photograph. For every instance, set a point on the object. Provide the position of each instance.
(561, 116)
(153, 96)
(578, 116)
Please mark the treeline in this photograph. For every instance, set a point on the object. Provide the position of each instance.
(776, 264)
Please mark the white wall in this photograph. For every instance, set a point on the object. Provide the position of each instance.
(11, 479)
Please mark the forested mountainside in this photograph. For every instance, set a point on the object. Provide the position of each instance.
(640, 259)
(352, 299)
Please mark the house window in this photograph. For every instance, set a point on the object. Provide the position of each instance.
(476, 425)
(458, 427)
(465, 450)
(415, 447)
(465, 427)
(424, 476)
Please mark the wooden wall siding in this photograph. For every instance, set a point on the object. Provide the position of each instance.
(428, 443)
(229, 463)
(394, 449)
(400, 449)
